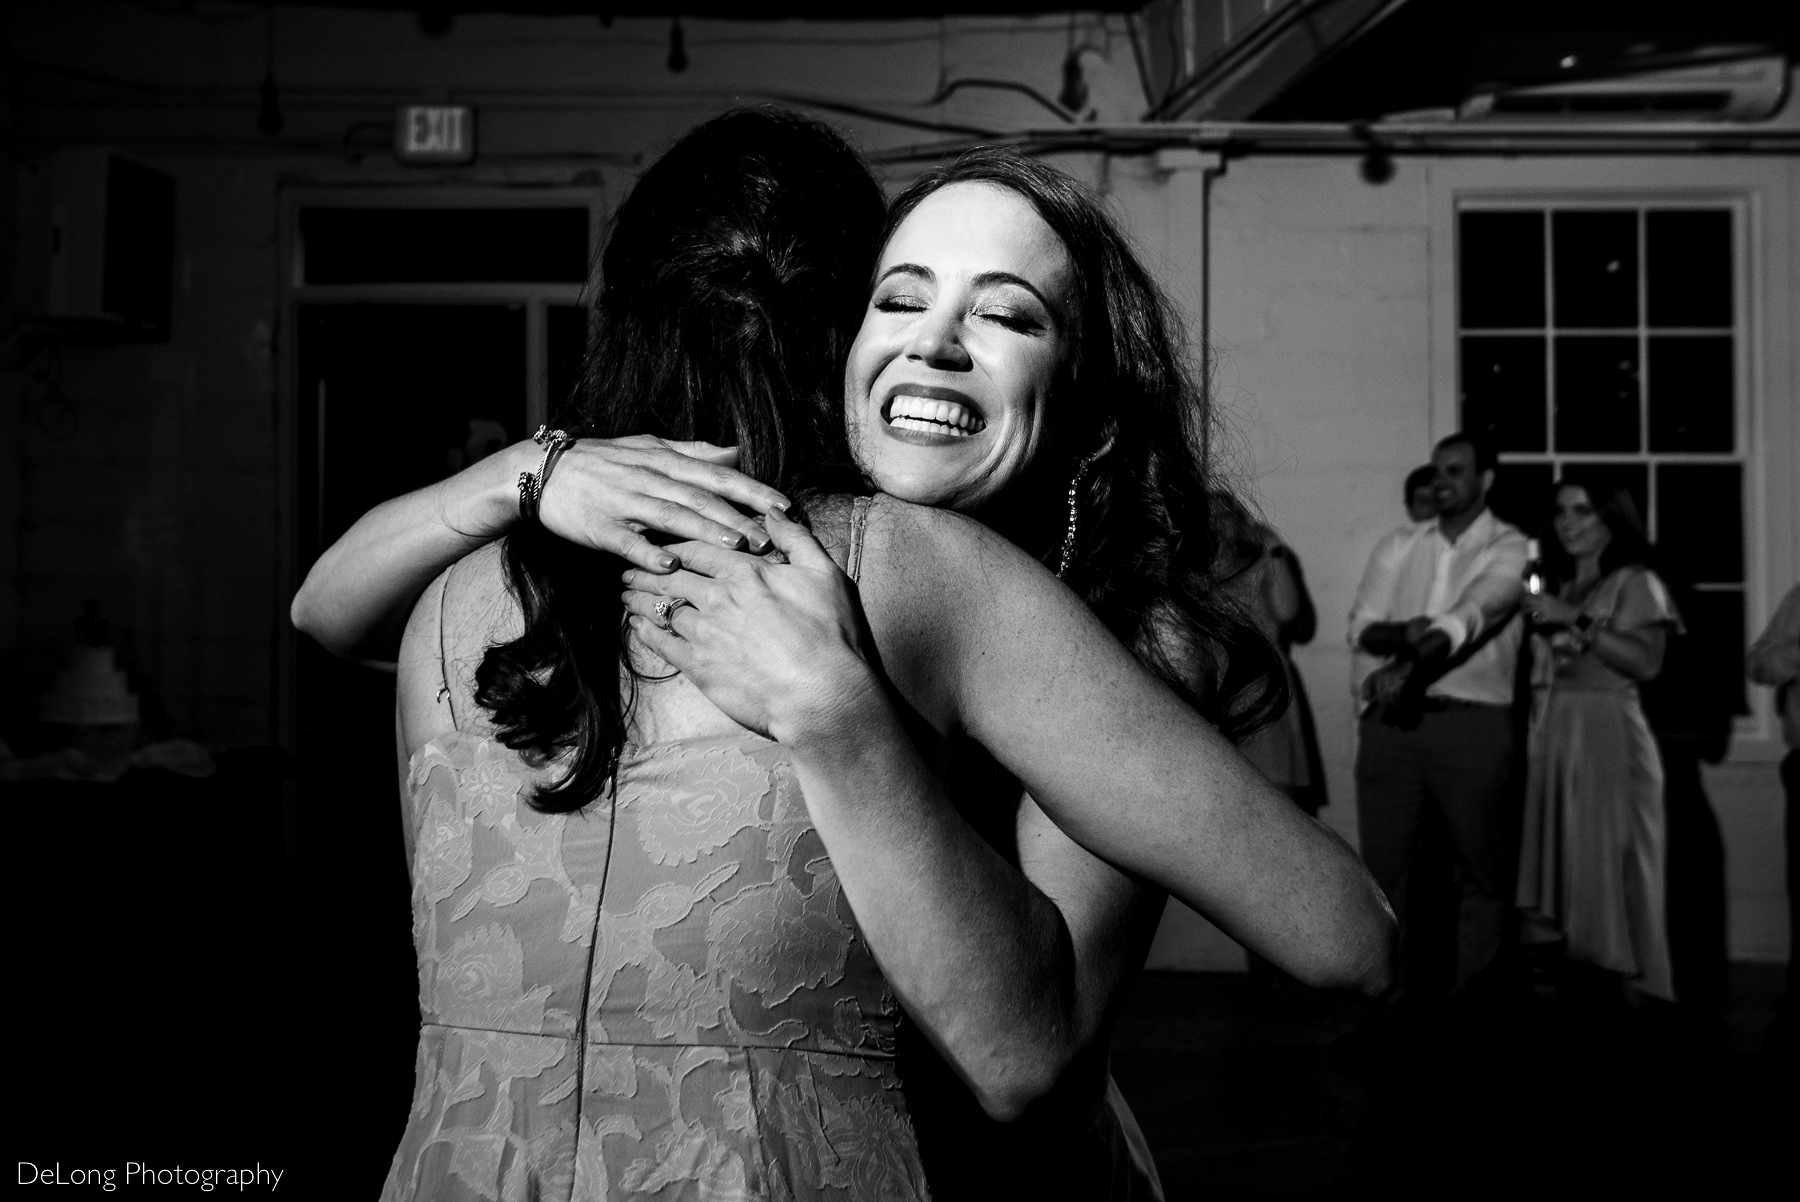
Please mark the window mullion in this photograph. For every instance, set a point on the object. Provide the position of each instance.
(1549, 337)
(1643, 341)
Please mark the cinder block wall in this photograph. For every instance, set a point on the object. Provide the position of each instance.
(147, 477)
(147, 472)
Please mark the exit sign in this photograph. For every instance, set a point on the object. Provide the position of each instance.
(434, 133)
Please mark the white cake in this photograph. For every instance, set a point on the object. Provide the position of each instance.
(90, 691)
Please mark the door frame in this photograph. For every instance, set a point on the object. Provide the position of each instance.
(294, 291)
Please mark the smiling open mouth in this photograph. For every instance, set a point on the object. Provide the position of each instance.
(929, 416)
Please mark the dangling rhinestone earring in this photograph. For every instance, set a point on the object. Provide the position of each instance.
(1068, 545)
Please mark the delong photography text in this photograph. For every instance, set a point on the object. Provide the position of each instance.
(137, 1172)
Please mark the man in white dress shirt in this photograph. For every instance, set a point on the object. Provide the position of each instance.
(1438, 603)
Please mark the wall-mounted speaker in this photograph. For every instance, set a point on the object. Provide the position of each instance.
(112, 246)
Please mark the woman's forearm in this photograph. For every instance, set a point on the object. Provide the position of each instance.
(355, 598)
(978, 955)
(1635, 653)
(1122, 765)
(608, 494)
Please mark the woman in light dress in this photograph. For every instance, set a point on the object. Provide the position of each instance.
(1592, 872)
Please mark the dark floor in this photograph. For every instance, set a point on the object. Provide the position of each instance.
(188, 1006)
(1254, 1092)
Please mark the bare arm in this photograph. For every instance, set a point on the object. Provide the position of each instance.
(1637, 653)
(1128, 770)
(1631, 641)
(603, 493)
(1000, 975)
(1012, 972)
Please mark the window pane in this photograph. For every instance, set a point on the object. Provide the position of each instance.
(1700, 522)
(1500, 269)
(1604, 478)
(565, 339)
(1689, 268)
(1597, 394)
(444, 246)
(1692, 405)
(1503, 391)
(1595, 254)
(1521, 495)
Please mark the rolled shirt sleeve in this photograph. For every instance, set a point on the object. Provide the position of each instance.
(1491, 595)
(1468, 589)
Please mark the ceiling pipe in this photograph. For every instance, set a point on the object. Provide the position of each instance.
(1388, 138)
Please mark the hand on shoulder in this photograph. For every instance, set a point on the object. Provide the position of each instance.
(605, 493)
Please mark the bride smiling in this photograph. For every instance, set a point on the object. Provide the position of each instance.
(969, 767)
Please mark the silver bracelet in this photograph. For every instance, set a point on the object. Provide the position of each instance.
(531, 484)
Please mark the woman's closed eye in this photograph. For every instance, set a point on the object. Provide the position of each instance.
(1012, 319)
(901, 302)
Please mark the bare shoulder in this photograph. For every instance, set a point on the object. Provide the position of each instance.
(829, 519)
(467, 609)
(932, 549)
(478, 602)
(950, 602)
(953, 579)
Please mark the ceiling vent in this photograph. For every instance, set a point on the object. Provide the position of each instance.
(1745, 89)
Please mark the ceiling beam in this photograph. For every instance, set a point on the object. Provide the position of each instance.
(1271, 56)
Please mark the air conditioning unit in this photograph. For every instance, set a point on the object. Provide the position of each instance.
(1746, 89)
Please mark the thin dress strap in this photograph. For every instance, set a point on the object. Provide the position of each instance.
(859, 521)
(448, 694)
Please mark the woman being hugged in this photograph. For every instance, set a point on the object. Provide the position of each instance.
(1593, 866)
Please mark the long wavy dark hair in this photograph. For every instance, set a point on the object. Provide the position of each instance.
(732, 284)
(1629, 545)
(1148, 552)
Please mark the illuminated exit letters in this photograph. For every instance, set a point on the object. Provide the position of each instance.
(434, 133)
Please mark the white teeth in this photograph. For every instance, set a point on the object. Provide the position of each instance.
(926, 427)
(938, 416)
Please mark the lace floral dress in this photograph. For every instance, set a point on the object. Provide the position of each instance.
(665, 996)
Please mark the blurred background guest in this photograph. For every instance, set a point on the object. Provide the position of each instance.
(1263, 575)
(1436, 749)
(1421, 506)
(1593, 864)
(1774, 660)
(1421, 502)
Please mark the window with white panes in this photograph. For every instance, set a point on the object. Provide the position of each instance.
(1609, 336)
